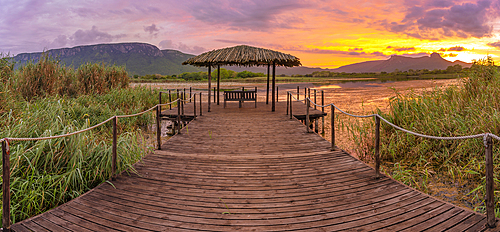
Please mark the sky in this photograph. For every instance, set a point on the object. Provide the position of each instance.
(322, 33)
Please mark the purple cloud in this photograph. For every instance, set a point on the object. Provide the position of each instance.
(168, 44)
(401, 49)
(456, 49)
(255, 15)
(494, 44)
(437, 19)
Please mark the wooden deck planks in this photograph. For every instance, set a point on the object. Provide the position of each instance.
(250, 169)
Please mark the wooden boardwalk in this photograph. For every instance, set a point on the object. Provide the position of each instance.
(252, 170)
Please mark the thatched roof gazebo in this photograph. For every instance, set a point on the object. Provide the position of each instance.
(246, 56)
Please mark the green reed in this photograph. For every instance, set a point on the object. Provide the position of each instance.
(471, 108)
(46, 99)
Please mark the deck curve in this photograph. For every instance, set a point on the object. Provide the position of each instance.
(252, 170)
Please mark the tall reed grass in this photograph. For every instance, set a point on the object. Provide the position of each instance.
(471, 108)
(40, 102)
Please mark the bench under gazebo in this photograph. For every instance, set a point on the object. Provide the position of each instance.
(246, 56)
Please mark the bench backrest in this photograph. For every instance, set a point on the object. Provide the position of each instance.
(237, 95)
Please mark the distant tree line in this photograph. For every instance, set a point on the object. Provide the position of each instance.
(229, 74)
(452, 69)
(198, 76)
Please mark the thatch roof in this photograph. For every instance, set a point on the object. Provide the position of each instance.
(243, 55)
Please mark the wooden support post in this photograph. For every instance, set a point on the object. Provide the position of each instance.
(267, 93)
(256, 97)
(332, 125)
(377, 147)
(218, 83)
(214, 96)
(323, 110)
(298, 98)
(169, 99)
(277, 94)
(190, 93)
(158, 127)
(209, 84)
(6, 186)
(315, 102)
(305, 93)
(194, 105)
(309, 93)
(184, 94)
(201, 110)
(274, 87)
(291, 103)
(490, 185)
(307, 115)
(287, 101)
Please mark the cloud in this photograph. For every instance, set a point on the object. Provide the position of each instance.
(168, 44)
(456, 49)
(440, 19)
(151, 29)
(494, 44)
(401, 49)
(83, 37)
(255, 15)
(350, 52)
(93, 36)
(450, 55)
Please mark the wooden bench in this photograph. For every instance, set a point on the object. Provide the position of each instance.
(240, 96)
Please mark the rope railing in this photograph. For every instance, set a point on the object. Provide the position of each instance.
(487, 140)
(5, 144)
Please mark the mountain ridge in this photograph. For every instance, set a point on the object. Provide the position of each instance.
(143, 58)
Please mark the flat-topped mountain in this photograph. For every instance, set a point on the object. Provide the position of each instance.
(401, 63)
(138, 58)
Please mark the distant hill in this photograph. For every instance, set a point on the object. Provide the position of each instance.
(401, 63)
(143, 58)
(139, 58)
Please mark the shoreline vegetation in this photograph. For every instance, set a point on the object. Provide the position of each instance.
(433, 165)
(46, 98)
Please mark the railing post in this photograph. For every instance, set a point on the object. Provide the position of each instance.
(291, 103)
(158, 126)
(194, 105)
(490, 195)
(214, 96)
(6, 186)
(287, 101)
(298, 98)
(182, 103)
(307, 115)
(179, 102)
(113, 156)
(159, 99)
(377, 147)
(305, 93)
(277, 94)
(201, 109)
(315, 102)
(323, 110)
(190, 94)
(169, 99)
(332, 124)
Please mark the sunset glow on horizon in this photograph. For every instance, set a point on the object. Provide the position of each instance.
(326, 34)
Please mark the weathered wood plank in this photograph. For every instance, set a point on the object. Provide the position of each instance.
(270, 175)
